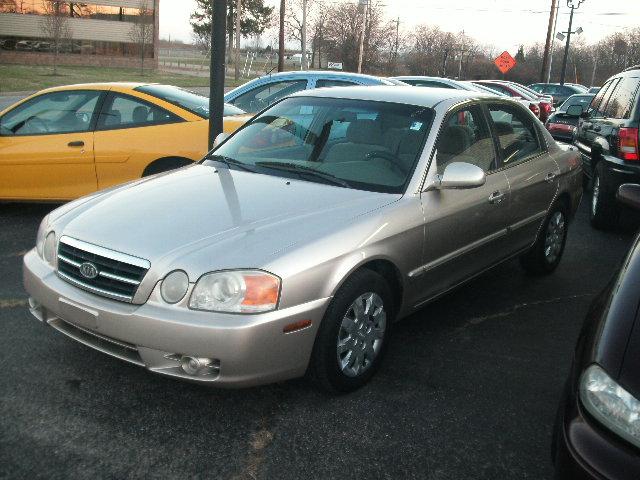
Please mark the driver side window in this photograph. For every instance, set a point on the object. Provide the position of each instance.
(465, 137)
(261, 97)
(56, 112)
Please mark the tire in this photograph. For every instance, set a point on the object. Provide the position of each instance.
(545, 255)
(164, 165)
(603, 211)
(353, 366)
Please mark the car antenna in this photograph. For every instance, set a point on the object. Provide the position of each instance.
(269, 72)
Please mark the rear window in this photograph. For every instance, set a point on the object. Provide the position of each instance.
(582, 100)
(622, 99)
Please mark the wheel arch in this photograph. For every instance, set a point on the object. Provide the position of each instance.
(165, 164)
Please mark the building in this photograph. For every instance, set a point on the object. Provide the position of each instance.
(101, 32)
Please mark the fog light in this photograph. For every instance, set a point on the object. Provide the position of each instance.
(194, 365)
(174, 286)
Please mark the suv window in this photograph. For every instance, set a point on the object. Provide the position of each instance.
(334, 83)
(621, 101)
(265, 95)
(602, 108)
(124, 111)
(57, 112)
(597, 100)
(516, 133)
(466, 138)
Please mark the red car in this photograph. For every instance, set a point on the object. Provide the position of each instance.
(542, 106)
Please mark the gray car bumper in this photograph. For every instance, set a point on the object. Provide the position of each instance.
(247, 349)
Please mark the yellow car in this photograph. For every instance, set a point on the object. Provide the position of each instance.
(64, 142)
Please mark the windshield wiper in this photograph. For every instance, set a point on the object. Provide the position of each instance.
(302, 170)
(228, 161)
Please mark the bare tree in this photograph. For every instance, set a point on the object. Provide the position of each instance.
(142, 30)
(55, 25)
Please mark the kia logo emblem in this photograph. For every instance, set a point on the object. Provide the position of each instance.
(89, 270)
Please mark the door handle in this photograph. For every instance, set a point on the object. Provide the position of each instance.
(78, 143)
(496, 197)
(550, 177)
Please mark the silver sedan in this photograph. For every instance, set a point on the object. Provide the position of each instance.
(295, 245)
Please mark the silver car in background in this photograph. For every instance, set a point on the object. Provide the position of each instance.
(299, 240)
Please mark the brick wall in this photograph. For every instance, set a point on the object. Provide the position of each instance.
(41, 58)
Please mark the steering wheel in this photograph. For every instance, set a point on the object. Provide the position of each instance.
(389, 157)
(37, 125)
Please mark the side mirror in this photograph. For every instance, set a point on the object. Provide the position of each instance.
(629, 195)
(574, 111)
(459, 175)
(220, 138)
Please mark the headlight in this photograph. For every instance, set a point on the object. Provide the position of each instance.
(174, 286)
(44, 224)
(241, 291)
(610, 404)
(49, 249)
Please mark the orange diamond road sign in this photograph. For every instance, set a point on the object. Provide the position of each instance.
(505, 62)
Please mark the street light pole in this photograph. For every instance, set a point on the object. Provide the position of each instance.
(573, 7)
(217, 68)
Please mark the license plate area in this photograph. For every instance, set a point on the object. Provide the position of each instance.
(77, 314)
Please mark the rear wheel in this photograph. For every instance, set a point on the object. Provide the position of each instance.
(604, 212)
(354, 333)
(546, 253)
(165, 164)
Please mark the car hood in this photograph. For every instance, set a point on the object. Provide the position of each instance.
(231, 218)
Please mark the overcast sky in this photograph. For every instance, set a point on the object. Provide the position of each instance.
(502, 23)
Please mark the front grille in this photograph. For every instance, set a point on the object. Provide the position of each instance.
(118, 275)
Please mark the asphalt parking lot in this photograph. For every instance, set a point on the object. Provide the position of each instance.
(468, 390)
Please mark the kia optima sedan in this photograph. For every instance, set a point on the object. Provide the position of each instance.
(297, 242)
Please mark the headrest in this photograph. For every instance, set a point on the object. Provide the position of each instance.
(364, 131)
(140, 114)
(113, 117)
(453, 140)
(503, 128)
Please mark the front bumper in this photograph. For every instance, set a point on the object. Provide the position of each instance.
(586, 450)
(247, 349)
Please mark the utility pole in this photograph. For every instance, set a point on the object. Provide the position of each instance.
(303, 60)
(547, 45)
(217, 67)
(553, 44)
(571, 4)
(236, 58)
(395, 55)
(281, 38)
(363, 5)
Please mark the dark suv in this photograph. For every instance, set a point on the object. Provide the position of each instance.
(607, 137)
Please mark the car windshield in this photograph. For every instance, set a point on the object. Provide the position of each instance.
(582, 100)
(190, 101)
(360, 144)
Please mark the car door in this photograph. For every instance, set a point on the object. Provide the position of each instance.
(131, 133)
(590, 125)
(268, 93)
(465, 230)
(46, 146)
(531, 172)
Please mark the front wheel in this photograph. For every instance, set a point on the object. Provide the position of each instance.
(545, 255)
(354, 333)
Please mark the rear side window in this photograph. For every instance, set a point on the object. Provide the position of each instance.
(516, 133)
(124, 111)
(334, 83)
(621, 101)
(266, 95)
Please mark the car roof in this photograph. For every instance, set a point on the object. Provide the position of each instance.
(321, 73)
(425, 97)
(96, 86)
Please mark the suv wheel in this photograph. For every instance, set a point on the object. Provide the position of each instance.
(354, 333)
(545, 255)
(604, 212)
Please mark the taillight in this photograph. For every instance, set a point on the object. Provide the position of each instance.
(560, 127)
(628, 144)
(546, 107)
(535, 109)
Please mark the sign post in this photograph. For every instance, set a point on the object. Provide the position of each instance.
(505, 62)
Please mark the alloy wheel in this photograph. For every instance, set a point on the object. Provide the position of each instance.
(554, 237)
